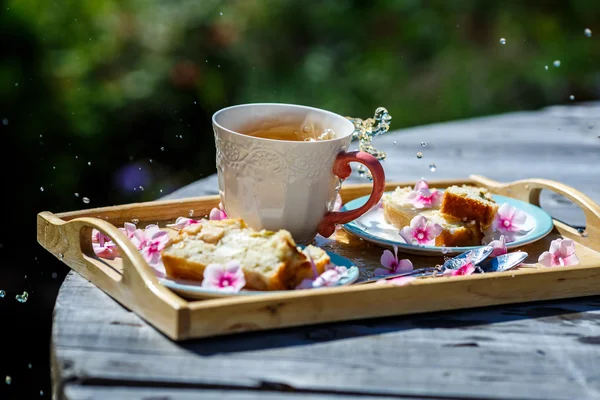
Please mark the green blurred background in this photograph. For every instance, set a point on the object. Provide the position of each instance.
(111, 100)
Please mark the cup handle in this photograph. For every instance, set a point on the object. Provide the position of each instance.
(341, 168)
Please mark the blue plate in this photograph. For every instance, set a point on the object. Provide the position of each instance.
(372, 226)
(193, 289)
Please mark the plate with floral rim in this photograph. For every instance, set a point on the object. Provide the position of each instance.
(194, 289)
(372, 227)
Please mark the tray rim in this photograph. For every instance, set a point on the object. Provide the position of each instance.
(138, 288)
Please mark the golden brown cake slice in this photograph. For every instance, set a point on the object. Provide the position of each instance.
(469, 203)
(269, 260)
(454, 231)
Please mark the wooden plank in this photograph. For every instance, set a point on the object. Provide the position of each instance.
(77, 392)
(539, 352)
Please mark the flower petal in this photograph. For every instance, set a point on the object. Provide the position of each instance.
(401, 281)
(571, 260)
(305, 284)
(433, 230)
(418, 221)
(388, 260)
(232, 266)
(212, 272)
(407, 234)
(404, 266)
(566, 248)
(519, 217)
(381, 272)
(546, 259)
(217, 215)
(499, 247)
(421, 184)
(555, 247)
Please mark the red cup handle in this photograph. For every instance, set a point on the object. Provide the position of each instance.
(341, 167)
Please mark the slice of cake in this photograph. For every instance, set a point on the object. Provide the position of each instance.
(404, 203)
(469, 203)
(454, 231)
(269, 260)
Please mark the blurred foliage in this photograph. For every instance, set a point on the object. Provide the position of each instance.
(106, 97)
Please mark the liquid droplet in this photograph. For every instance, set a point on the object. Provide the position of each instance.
(141, 188)
(22, 298)
(2, 294)
(361, 170)
(89, 163)
(162, 149)
(8, 380)
(306, 129)
(220, 13)
(546, 67)
(588, 32)
(432, 167)
(445, 250)
(571, 97)
(394, 142)
(191, 213)
(5, 121)
(423, 144)
(419, 155)
(160, 190)
(150, 160)
(556, 63)
(29, 366)
(41, 392)
(76, 194)
(41, 189)
(61, 255)
(502, 41)
(135, 221)
(86, 200)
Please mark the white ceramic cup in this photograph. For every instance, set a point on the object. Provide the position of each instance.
(280, 184)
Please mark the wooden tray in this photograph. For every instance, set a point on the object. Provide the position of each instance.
(132, 283)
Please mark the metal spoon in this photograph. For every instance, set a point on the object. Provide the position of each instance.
(477, 256)
(502, 263)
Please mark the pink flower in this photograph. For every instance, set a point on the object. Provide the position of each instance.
(229, 278)
(217, 214)
(509, 220)
(400, 281)
(421, 231)
(467, 269)
(153, 246)
(422, 197)
(141, 236)
(103, 246)
(330, 277)
(182, 222)
(391, 264)
(561, 253)
(499, 247)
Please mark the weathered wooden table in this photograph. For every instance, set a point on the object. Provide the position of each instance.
(548, 350)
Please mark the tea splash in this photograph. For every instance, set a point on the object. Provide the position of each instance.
(366, 130)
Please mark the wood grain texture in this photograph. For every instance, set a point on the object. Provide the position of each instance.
(544, 350)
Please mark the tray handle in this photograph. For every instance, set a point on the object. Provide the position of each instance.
(136, 288)
(529, 190)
